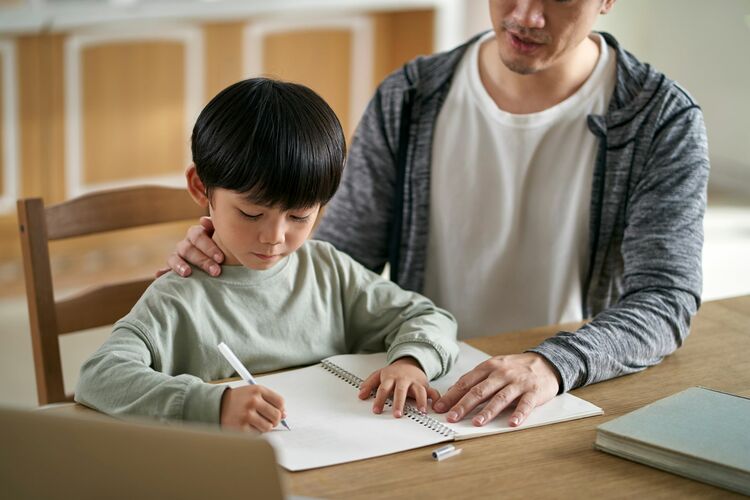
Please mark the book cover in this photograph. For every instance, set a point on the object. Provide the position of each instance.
(698, 433)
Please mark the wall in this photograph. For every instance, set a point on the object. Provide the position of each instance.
(702, 45)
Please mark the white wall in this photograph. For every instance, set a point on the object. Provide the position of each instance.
(703, 45)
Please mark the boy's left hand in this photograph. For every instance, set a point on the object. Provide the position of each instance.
(402, 378)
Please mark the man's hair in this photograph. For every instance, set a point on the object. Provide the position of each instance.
(278, 142)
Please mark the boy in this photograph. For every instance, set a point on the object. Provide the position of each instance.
(267, 156)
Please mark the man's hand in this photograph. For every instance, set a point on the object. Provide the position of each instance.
(252, 406)
(198, 249)
(501, 380)
(404, 377)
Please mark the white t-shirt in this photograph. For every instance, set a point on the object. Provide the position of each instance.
(509, 207)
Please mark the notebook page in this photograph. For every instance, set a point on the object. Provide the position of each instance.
(331, 425)
(559, 409)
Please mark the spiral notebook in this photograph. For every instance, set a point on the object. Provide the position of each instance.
(331, 425)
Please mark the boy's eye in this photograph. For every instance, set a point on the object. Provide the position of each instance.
(250, 216)
(300, 218)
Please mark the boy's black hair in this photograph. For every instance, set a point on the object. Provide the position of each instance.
(278, 142)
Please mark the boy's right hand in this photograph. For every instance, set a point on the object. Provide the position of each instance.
(252, 406)
(198, 249)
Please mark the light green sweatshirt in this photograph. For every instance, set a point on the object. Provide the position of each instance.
(317, 302)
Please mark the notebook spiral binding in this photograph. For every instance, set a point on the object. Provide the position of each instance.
(409, 410)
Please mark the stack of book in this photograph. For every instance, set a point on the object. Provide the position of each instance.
(698, 433)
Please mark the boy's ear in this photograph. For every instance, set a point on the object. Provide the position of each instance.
(195, 186)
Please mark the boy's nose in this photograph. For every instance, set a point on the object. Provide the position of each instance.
(272, 234)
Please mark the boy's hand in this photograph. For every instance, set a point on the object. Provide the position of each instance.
(404, 377)
(198, 249)
(253, 406)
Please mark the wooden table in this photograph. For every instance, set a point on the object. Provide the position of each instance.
(558, 461)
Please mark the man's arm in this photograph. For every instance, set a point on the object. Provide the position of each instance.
(662, 279)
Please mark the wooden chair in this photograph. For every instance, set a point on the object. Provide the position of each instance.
(103, 305)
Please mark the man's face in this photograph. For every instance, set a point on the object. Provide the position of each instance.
(533, 35)
(256, 236)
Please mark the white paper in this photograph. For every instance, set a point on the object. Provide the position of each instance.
(331, 425)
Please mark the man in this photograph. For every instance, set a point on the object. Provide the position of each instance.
(537, 174)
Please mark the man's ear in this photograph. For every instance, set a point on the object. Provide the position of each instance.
(195, 186)
(607, 6)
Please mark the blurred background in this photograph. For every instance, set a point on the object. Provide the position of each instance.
(97, 94)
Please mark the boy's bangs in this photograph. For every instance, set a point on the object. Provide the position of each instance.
(292, 177)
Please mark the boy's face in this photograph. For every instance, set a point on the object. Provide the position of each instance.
(256, 236)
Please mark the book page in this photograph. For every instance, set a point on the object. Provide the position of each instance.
(331, 425)
(559, 409)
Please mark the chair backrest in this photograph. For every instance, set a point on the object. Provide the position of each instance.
(93, 213)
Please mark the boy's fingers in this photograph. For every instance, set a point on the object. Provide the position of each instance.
(369, 385)
(273, 398)
(433, 393)
(384, 390)
(258, 421)
(177, 265)
(269, 412)
(420, 397)
(399, 398)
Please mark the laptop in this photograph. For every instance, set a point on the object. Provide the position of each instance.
(52, 455)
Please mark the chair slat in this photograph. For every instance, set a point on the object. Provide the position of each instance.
(120, 209)
(40, 297)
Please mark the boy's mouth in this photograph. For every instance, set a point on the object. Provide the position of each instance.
(263, 256)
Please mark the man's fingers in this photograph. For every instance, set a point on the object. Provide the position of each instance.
(523, 409)
(207, 224)
(200, 239)
(178, 265)
(496, 404)
(190, 253)
(459, 389)
(476, 395)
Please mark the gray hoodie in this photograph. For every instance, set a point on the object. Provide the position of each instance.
(644, 278)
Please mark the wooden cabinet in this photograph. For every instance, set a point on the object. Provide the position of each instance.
(111, 104)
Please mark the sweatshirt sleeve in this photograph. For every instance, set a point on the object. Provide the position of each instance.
(379, 315)
(661, 251)
(122, 379)
(358, 218)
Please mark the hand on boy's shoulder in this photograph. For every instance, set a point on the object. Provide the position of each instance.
(401, 379)
(197, 248)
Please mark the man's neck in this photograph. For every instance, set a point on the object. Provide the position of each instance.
(531, 93)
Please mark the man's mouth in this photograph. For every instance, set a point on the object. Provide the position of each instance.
(522, 43)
